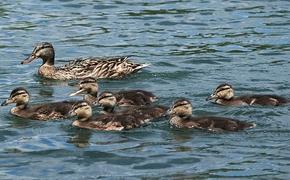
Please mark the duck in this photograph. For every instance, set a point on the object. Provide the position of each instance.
(224, 95)
(108, 101)
(43, 112)
(96, 67)
(107, 122)
(181, 117)
(138, 97)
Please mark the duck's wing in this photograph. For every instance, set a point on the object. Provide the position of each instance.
(268, 99)
(135, 97)
(51, 111)
(213, 123)
(105, 67)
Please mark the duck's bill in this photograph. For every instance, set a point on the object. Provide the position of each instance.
(6, 102)
(96, 103)
(29, 59)
(168, 112)
(71, 113)
(78, 92)
(212, 96)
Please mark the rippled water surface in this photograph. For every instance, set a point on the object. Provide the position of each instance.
(192, 47)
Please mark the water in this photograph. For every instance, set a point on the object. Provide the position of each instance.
(192, 46)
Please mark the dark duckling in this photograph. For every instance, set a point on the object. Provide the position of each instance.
(90, 87)
(96, 67)
(224, 95)
(48, 111)
(109, 101)
(107, 122)
(181, 117)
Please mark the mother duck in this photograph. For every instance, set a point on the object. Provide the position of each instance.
(107, 67)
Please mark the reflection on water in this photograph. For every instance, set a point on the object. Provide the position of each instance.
(191, 46)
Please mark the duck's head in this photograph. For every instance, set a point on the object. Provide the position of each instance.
(82, 110)
(42, 50)
(108, 100)
(223, 91)
(20, 96)
(88, 85)
(181, 107)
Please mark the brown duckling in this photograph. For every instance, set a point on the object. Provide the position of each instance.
(48, 111)
(90, 87)
(107, 122)
(181, 117)
(224, 95)
(106, 67)
(109, 101)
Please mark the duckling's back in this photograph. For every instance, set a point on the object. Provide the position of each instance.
(48, 111)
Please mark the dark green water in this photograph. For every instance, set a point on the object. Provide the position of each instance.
(192, 45)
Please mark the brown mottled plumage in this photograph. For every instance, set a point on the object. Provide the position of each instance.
(90, 87)
(106, 67)
(109, 101)
(224, 95)
(181, 117)
(111, 121)
(49, 111)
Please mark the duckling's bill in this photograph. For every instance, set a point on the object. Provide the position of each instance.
(77, 93)
(6, 102)
(212, 96)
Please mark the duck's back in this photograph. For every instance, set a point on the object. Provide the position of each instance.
(106, 67)
(148, 113)
(110, 122)
(213, 123)
(48, 111)
(266, 99)
(135, 97)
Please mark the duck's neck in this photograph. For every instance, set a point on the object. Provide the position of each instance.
(18, 108)
(91, 98)
(232, 101)
(48, 57)
(108, 109)
(21, 106)
(84, 119)
(179, 120)
(175, 121)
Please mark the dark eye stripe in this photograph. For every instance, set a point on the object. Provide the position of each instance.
(16, 94)
(223, 89)
(86, 82)
(79, 106)
(177, 105)
(103, 97)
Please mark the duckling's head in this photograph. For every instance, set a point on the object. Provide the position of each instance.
(181, 107)
(44, 51)
(108, 100)
(20, 96)
(223, 91)
(88, 85)
(82, 110)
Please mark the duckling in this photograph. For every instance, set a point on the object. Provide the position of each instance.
(43, 112)
(107, 122)
(181, 117)
(107, 67)
(224, 95)
(124, 98)
(109, 101)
